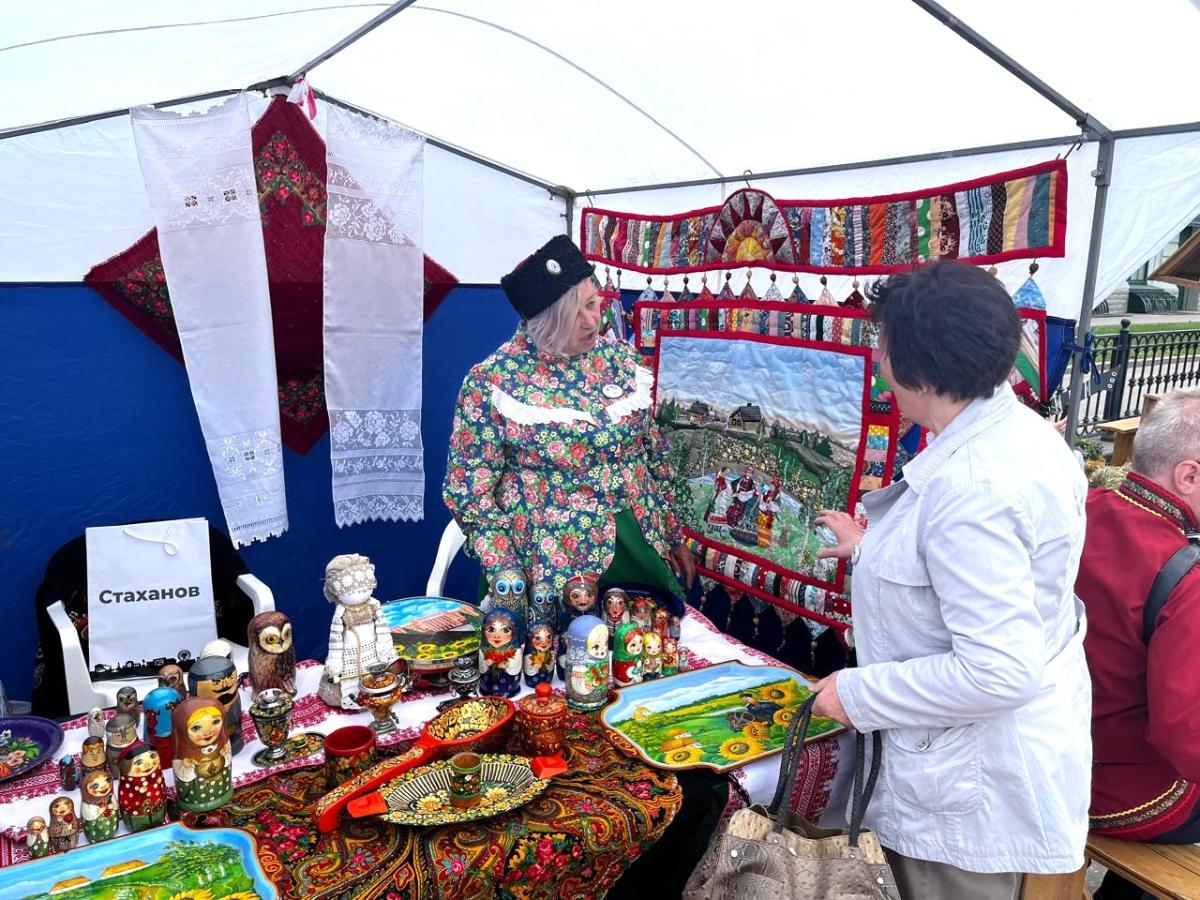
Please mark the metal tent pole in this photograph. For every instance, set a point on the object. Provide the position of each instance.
(360, 31)
(1103, 176)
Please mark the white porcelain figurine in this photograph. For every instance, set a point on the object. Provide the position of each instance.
(358, 637)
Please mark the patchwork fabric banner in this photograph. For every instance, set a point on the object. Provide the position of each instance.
(770, 419)
(289, 167)
(373, 321)
(199, 177)
(1012, 215)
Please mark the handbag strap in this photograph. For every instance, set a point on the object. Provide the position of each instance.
(789, 768)
(789, 762)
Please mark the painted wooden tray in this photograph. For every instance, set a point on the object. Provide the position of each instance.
(422, 796)
(718, 717)
(25, 743)
(170, 861)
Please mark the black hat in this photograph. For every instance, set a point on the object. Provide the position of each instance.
(536, 283)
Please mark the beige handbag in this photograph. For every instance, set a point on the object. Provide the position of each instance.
(774, 853)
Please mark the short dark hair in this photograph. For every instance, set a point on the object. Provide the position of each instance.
(947, 326)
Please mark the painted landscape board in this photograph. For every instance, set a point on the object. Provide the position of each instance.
(703, 718)
(168, 863)
(767, 435)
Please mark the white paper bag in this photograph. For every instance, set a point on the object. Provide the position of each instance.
(150, 595)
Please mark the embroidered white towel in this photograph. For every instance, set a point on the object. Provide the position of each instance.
(199, 176)
(374, 283)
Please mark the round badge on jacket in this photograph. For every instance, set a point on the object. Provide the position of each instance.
(612, 391)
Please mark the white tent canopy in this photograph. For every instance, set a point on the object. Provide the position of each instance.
(532, 104)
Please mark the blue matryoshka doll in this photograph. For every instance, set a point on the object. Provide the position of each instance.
(580, 597)
(587, 663)
(501, 647)
(541, 647)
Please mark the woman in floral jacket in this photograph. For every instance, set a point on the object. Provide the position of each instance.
(556, 466)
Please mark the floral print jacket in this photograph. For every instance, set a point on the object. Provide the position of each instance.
(546, 449)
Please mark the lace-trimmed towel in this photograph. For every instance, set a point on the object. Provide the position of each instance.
(199, 176)
(374, 281)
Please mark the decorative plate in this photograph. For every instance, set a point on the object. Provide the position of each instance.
(702, 719)
(422, 796)
(169, 861)
(25, 743)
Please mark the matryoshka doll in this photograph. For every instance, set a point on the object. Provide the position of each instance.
(157, 731)
(578, 599)
(99, 807)
(540, 649)
(660, 622)
(37, 838)
(203, 763)
(507, 591)
(214, 676)
(670, 656)
(64, 827)
(651, 655)
(587, 663)
(627, 655)
(642, 612)
(91, 757)
(142, 792)
(616, 611)
(500, 652)
(542, 605)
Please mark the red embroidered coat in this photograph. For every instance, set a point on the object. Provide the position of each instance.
(1145, 715)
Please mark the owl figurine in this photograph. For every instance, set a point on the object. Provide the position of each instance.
(507, 591)
(272, 660)
(542, 605)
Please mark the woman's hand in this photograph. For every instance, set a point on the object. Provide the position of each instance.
(681, 563)
(844, 528)
(828, 703)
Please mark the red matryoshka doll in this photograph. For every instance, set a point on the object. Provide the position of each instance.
(142, 792)
(203, 763)
(500, 652)
(616, 610)
(627, 654)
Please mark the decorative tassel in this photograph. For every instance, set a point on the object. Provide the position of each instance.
(1029, 295)
(727, 290)
(773, 292)
(705, 293)
(797, 295)
(667, 296)
(748, 291)
(856, 300)
(685, 295)
(648, 293)
(825, 298)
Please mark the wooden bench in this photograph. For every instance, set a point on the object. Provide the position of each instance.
(1072, 886)
(1170, 871)
(1123, 431)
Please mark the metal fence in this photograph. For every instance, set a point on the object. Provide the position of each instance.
(1148, 362)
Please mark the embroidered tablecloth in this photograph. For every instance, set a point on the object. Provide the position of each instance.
(30, 795)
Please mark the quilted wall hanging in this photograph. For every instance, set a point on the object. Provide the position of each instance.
(773, 413)
(290, 171)
(1020, 214)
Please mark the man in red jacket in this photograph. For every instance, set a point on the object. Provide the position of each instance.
(1145, 714)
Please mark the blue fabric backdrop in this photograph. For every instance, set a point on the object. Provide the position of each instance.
(97, 427)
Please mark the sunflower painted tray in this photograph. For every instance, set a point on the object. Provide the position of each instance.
(171, 861)
(422, 796)
(718, 717)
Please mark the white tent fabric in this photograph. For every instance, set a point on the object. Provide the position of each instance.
(634, 93)
(74, 197)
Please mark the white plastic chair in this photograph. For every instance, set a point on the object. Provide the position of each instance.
(451, 542)
(83, 694)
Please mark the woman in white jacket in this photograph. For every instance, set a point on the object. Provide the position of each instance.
(968, 634)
